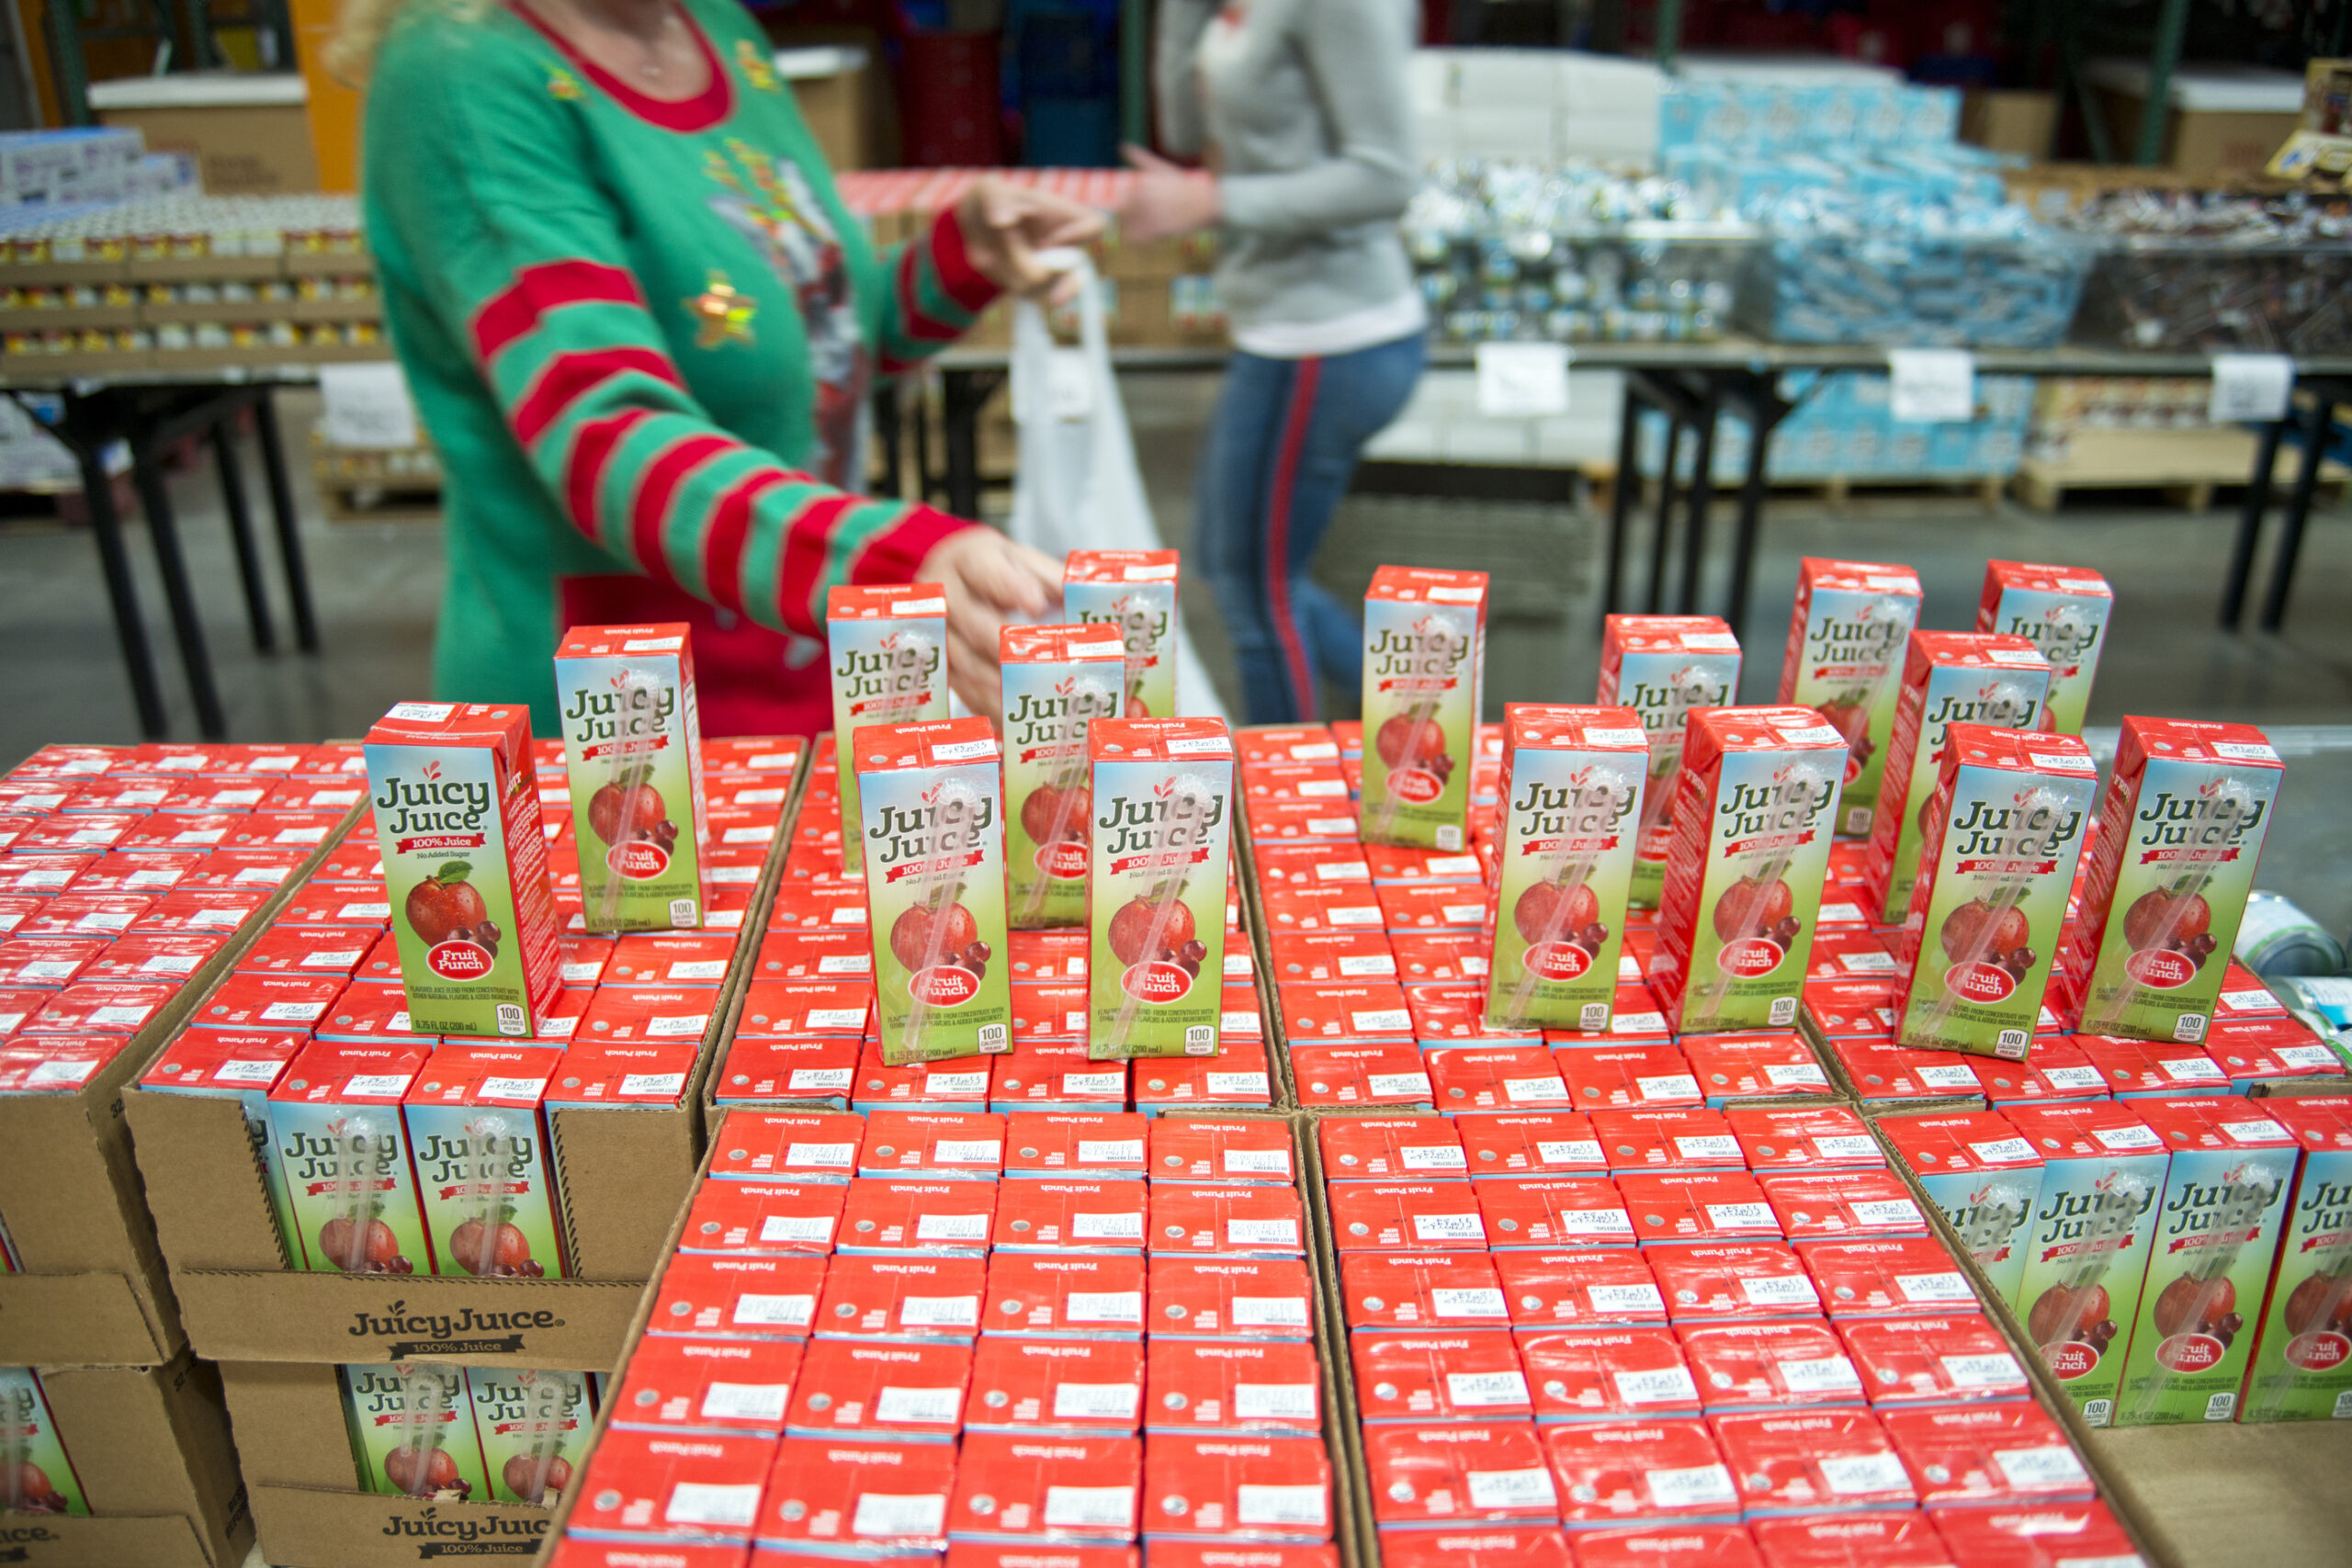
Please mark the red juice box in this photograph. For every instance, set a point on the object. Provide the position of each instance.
(2182, 825)
(1058, 681)
(1948, 678)
(338, 1145)
(2301, 1364)
(887, 647)
(1662, 666)
(457, 819)
(1845, 662)
(1987, 1180)
(40, 1476)
(1746, 868)
(632, 743)
(1135, 592)
(1572, 782)
(1157, 884)
(412, 1432)
(1998, 842)
(1424, 671)
(2063, 610)
(485, 1165)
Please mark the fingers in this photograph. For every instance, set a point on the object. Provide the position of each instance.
(1011, 579)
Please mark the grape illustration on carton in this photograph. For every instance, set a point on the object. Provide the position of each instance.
(632, 741)
(1156, 886)
(1845, 662)
(1663, 667)
(1058, 681)
(1424, 669)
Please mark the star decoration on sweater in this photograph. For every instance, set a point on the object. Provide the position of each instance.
(756, 71)
(561, 86)
(722, 313)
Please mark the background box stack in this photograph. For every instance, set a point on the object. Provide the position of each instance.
(1843, 429)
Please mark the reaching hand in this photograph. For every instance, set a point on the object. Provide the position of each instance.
(1167, 199)
(1006, 225)
(992, 583)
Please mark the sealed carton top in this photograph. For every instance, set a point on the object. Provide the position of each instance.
(2014, 751)
(2321, 1122)
(2084, 1129)
(1155, 740)
(1667, 634)
(1563, 727)
(1120, 566)
(1714, 732)
(650, 1073)
(502, 728)
(607, 642)
(344, 1072)
(896, 601)
(222, 1060)
(2219, 1122)
(487, 1075)
(1061, 643)
(2191, 741)
(933, 743)
(2038, 576)
(1858, 576)
(1429, 585)
(1969, 1141)
(1969, 650)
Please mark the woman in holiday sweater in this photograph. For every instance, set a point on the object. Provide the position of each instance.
(642, 327)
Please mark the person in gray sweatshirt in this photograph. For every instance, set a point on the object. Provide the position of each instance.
(1298, 109)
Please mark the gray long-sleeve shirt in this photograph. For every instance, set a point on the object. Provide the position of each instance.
(1305, 102)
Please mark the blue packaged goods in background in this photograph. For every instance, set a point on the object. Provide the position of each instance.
(1842, 428)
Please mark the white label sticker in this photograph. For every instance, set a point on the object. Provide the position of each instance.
(1711, 1145)
(952, 1228)
(1096, 1400)
(1398, 1086)
(1473, 1389)
(1262, 1233)
(1464, 914)
(796, 1227)
(701, 1503)
(1274, 1401)
(171, 963)
(820, 1157)
(1102, 1306)
(1880, 1212)
(774, 1312)
(1079, 1086)
(1950, 1077)
(2193, 1069)
(702, 969)
(1269, 1312)
(1261, 1504)
(1109, 1151)
(1934, 1288)
(639, 1086)
(1596, 1222)
(1448, 1227)
(248, 1072)
(1779, 1290)
(377, 1085)
(1380, 1020)
(1851, 1475)
(1457, 1302)
(2053, 1466)
(1353, 915)
(967, 1151)
(1615, 1299)
(745, 1400)
(1638, 1023)
(889, 1514)
(846, 964)
(939, 1311)
(1849, 1146)
(812, 1080)
(1257, 1162)
(2127, 1138)
(677, 1024)
(1824, 1374)
(1668, 1086)
(919, 1407)
(1657, 1385)
(1432, 1156)
(1126, 1226)
(1235, 1086)
(1741, 1216)
(2073, 1078)
(1370, 966)
(1700, 1486)
(1997, 1369)
(1535, 1091)
(1511, 1489)
(2002, 1151)
(1569, 1151)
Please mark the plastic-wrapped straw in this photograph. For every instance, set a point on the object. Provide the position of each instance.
(546, 1402)
(1089, 700)
(2231, 801)
(2011, 876)
(356, 1204)
(2234, 1225)
(1439, 638)
(424, 1415)
(640, 689)
(1187, 822)
(2105, 1233)
(1772, 861)
(954, 822)
(1685, 689)
(1570, 863)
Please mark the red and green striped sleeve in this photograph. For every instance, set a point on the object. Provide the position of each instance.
(935, 296)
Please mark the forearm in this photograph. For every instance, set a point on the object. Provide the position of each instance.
(935, 293)
(1184, 127)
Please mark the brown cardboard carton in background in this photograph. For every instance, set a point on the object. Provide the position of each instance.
(250, 133)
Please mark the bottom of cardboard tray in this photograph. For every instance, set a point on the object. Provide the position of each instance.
(2222, 1495)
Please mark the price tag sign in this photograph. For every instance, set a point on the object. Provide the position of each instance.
(1931, 386)
(2250, 387)
(367, 406)
(1522, 380)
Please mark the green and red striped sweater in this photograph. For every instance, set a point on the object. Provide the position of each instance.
(641, 335)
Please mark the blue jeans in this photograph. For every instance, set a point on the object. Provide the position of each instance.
(1285, 441)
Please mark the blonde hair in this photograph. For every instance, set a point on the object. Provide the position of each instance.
(364, 24)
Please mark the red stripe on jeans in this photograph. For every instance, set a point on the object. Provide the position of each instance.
(1302, 409)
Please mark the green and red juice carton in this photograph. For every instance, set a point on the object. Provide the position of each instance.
(2182, 827)
(37, 1475)
(456, 810)
(632, 745)
(1662, 666)
(1753, 817)
(2000, 838)
(485, 1165)
(1572, 792)
(413, 1433)
(1058, 681)
(887, 650)
(1135, 592)
(1160, 861)
(1845, 660)
(1985, 1178)
(932, 800)
(2062, 611)
(2302, 1365)
(533, 1427)
(339, 1147)
(1424, 676)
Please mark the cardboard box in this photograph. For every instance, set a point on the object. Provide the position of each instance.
(250, 133)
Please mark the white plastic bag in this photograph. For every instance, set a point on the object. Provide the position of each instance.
(1078, 486)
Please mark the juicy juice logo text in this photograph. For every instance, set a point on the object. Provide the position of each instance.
(2326, 1210)
(1429, 650)
(2241, 1194)
(338, 1156)
(1141, 622)
(1782, 805)
(1044, 720)
(630, 712)
(1656, 704)
(1141, 825)
(2000, 705)
(910, 832)
(900, 668)
(1869, 637)
(1584, 807)
(442, 1160)
(2063, 635)
(2206, 820)
(429, 805)
(505, 1404)
(2028, 832)
(386, 1394)
(2072, 1216)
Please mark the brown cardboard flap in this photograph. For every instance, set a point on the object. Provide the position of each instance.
(164, 1542)
(148, 1441)
(279, 1315)
(290, 1421)
(309, 1528)
(625, 1174)
(85, 1319)
(203, 1185)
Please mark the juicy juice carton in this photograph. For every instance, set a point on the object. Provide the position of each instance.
(337, 1141)
(1058, 681)
(1844, 660)
(2302, 1357)
(1133, 590)
(1745, 868)
(1572, 792)
(2180, 829)
(532, 1426)
(1156, 886)
(632, 743)
(1986, 1179)
(1662, 666)
(457, 808)
(2086, 1253)
(1424, 674)
(1999, 838)
(889, 653)
(412, 1431)
(934, 835)
(2218, 1226)
(477, 1134)
(1948, 678)
(2062, 611)
(36, 1475)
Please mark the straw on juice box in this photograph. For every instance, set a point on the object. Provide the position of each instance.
(632, 743)
(36, 1473)
(342, 1151)
(412, 1431)
(1662, 666)
(887, 650)
(531, 1425)
(1845, 658)
(478, 1131)
(1133, 590)
(2062, 611)
(1058, 681)
(1156, 886)
(1424, 664)
(2302, 1365)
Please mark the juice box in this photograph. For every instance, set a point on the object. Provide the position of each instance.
(887, 647)
(1999, 838)
(1057, 680)
(244, 1065)
(1156, 886)
(1424, 675)
(1844, 660)
(1985, 1179)
(412, 1432)
(38, 1477)
(2183, 823)
(1133, 590)
(337, 1143)
(1662, 666)
(533, 1425)
(2302, 1357)
(632, 744)
(2087, 1254)
(1572, 793)
(1745, 868)
(2223, 1208)
(933, 836)
(485, 1172)
(456, 811)
(2062, 611)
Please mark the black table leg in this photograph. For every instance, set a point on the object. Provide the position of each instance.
(2298, 510)
(2257, 501)
(1703, 494)
(161, 529)
(122, 593)
(887, 434)
(285, 520)
(1658, 542)
(1620, 497)
(241, 535)
(962, 393)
